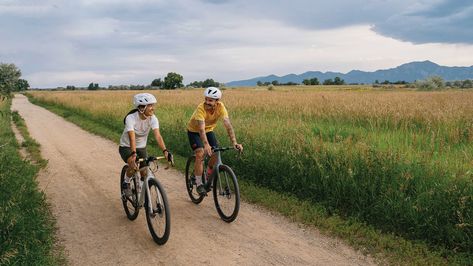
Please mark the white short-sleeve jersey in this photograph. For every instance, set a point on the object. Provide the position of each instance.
(133, 122)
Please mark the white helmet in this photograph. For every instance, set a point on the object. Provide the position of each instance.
(144, 99)
(213, 92)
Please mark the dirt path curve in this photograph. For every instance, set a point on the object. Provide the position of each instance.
(81, 183)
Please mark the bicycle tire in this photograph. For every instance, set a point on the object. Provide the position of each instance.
(190, 184)
(160, 212)
(226, 191)
(130, 203)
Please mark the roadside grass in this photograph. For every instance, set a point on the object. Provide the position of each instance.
(31, 146)
(382, 244)
(27, 235)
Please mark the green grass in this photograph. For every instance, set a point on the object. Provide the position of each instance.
(27, 226)
(395, 204)
(31, 146)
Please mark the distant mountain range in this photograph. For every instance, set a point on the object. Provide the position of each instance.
(407, 72)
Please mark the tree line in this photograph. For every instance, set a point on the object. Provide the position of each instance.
(170, 82)
(309, 81)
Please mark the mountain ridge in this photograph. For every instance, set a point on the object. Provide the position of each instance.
(408, 72)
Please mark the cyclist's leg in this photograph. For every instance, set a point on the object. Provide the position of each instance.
(142, 153)
(214, 144)
(125, 153)
(198, 147)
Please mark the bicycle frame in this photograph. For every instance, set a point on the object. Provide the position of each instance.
(214, 174)
(145, 187)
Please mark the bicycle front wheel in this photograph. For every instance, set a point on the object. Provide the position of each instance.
(226, 194)
(130, 197)
(190, 181)
(158, 216)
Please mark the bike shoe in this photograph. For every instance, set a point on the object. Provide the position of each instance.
(201, 190)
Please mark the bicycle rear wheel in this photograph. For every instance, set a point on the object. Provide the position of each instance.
(226, 194)
(190, 181)
(130, 202)
(159, 217)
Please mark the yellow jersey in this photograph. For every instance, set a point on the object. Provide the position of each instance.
(210, 118)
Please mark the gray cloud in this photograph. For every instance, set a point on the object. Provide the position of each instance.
(417, 21)
(142, 38)
(445, 22)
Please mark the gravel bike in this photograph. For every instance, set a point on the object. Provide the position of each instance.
(223, 182)
(148, 192)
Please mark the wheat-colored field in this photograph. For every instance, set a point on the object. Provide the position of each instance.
(401, 160)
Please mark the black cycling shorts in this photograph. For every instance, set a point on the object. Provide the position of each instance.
(196, 142)
(125, 153)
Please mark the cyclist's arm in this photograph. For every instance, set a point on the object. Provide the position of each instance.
(159, 140)
(231, 133)
(131, 160)
(131, 135)
(203, 137)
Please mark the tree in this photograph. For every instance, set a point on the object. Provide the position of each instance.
(93, 86)
(195, 84)
(467, 84)
(339, 81)
(22, 85)
(157, 83)
(172, 81)
(259, 83)
(306, 82)
(328, 82)
(209, 83)
(314, 81)
(9, 75)
(275, 83)
(431, 83)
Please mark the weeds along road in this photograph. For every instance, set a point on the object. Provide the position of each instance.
(81, 182)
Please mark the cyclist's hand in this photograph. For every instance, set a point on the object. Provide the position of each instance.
(208, 149)
(132, 161)
(170, 157)
(239, 147)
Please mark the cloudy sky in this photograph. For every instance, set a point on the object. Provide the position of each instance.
(111, 42)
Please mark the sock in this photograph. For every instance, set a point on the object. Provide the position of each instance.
(198, 180)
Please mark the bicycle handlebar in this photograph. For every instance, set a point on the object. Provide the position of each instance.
(153, 158)
(224, 149)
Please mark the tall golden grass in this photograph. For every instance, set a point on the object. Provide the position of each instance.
(400, 160)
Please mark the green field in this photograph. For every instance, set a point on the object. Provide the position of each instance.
(27, 226)
(400, 161)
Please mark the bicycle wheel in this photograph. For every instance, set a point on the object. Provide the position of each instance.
(190, 181)
(159, 218)
(130, 202)
(226, 194)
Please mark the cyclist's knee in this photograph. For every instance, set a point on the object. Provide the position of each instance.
(144, 173)
(199, 154)
(130, 172)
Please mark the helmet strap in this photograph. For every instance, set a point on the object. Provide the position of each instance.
(142, 111)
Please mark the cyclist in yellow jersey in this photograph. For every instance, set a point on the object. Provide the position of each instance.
(200, 131)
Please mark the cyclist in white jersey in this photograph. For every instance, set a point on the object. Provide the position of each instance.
(138, 123)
